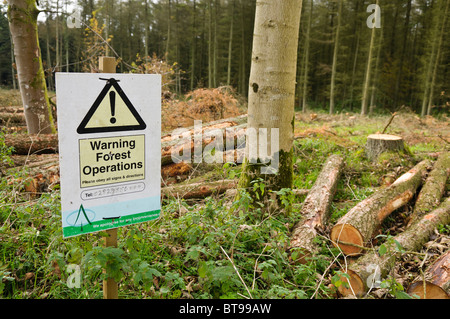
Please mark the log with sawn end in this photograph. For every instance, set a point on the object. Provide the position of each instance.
(363, 273)
(357, 227)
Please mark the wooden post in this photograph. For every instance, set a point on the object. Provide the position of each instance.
(110, 287)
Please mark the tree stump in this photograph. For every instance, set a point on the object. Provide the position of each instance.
(380, 143)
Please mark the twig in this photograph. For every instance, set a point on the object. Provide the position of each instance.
(323, 276)
(389, 123)
(440, 136)
(237, 271)
(256, 265)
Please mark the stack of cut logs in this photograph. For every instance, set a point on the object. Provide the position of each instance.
(354, 231)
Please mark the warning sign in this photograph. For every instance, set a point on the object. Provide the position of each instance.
(112, 111)
(111, 160)
(109, 131)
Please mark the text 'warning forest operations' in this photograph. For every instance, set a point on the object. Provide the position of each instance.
(111, 160)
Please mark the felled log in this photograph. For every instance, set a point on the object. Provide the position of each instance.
(197, 190)
(436, 281)
(12, 118)
(35, 160)
(380, 143)
(371, 265)
(433, 189)
(32, 143)
(11, 109)
(296, 191)
(172, 145)
(360, 223)
(175, 148)
(232, 121)
(316, 209)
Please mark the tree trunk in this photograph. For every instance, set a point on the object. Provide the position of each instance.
(436, 61)
(357, 227)
(316, 209)
(367, 267)
(216, 47)
(433, 34)
(432, 191)
(305, 74)
(242, 65)
(194, 45)
(402, 56)
(333, 67)
(169, 24)
(380, 143)
(365, 92)
(271, 95)
(210, 46)
(437, 280)
(230, 45)
(49, 60)
(23, 25)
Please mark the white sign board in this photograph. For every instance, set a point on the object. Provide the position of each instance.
(109, 130)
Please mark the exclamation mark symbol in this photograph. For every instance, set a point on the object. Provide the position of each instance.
(112, 101)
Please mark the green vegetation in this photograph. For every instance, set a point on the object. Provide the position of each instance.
(219, 247)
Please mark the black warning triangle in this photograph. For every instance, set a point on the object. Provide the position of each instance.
(83, 128)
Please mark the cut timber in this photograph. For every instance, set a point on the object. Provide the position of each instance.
(232, 121)
(197, 190)
(11, 109)
(232, 192)
(358, 226)
(32, 143)
(35, 160)
(380, 143)
(371, 265)
(7, 118)
(315, 209)
(231, 131)
(433, 189)
(437, 280)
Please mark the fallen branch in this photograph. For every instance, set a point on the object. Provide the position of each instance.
(360, 223)
(316, 209)
(371, 265)
(237, 272)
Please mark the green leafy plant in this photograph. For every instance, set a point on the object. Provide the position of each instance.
(395, 288)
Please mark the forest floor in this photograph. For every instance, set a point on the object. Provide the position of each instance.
(216, 247)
